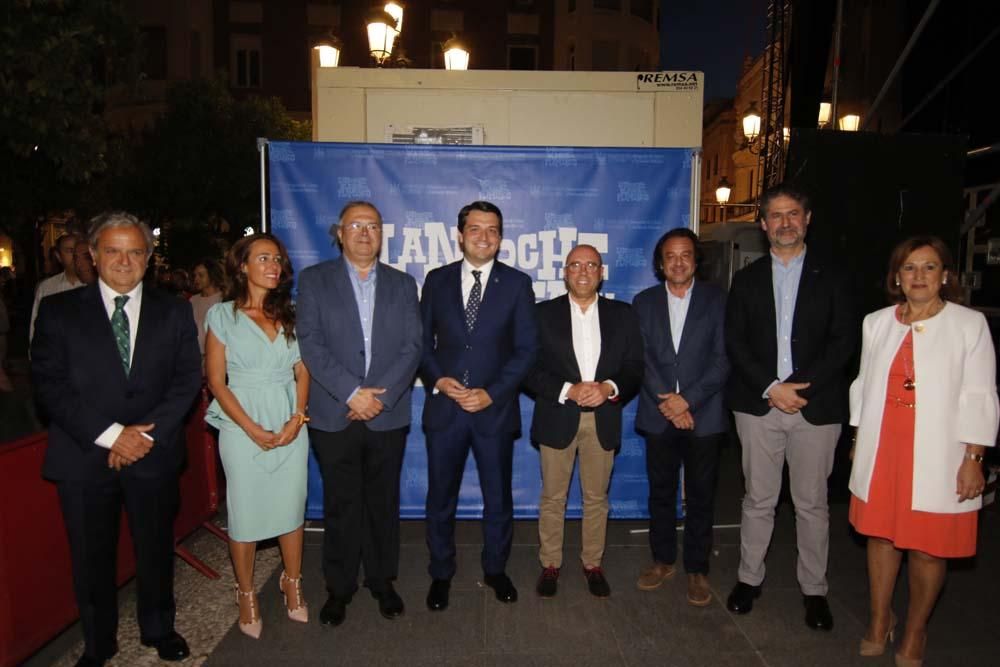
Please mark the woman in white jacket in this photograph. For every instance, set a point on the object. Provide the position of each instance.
(925, 407)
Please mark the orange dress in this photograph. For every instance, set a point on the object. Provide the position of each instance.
(888, 513)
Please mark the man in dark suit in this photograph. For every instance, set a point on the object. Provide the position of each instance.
(359, 332)
(681, 412)
(791, 332)
(116, 367)
(480, 340)
(589, 366)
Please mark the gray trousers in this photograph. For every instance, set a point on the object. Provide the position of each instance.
(768, 442)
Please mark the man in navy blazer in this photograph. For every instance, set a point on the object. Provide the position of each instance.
(681, 412)
(480, 340)
(359, 333)
(116, 367)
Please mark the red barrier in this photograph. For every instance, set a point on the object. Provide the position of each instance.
(36, 584)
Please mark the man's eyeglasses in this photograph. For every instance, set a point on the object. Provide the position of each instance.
(590, 267)
(370, 227)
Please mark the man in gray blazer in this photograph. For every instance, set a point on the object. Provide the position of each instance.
(681, 409)
(360, 335)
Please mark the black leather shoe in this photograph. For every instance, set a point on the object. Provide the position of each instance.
(597, 584)
(390, 605)
(818, 616)
(548, 582)
(333, 612)
(90, 661)
(502, 586)
(740, 601)
(170, 648)
(437, 596)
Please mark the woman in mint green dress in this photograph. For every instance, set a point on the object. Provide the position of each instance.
(259, 414)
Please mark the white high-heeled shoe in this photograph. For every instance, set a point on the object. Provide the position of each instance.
(256, 624)
(300, 612)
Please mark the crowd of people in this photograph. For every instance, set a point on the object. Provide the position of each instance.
(334, 371)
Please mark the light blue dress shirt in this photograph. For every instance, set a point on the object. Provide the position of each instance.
(785, 280)
(364, 296)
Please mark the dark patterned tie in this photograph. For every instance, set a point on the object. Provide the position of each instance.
(119, 325)
(472, 312)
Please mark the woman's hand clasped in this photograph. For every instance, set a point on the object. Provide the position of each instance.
(263, 438)
(971, 482)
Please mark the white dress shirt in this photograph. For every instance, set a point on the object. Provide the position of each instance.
(677, 310)
(468, 280)
(132, 309)
(53, 285)
(586, 327)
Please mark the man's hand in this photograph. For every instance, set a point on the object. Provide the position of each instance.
(131, 445)
(671, 405)
(364, 405)
(683, 421)
(289, 432)
(785, 397)
(115, 461)
(589, 394)
(451, 388)
(475, 400)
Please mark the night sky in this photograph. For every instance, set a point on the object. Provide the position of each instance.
(712, 36)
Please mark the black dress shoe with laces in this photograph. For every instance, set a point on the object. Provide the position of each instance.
(502, 586)
(548, 582)
(597, 584)
(437, 596)
(818, 616)
(333, 612)
(171, 648)
(390, 605)
(740, 601)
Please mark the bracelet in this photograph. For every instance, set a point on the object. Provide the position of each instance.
(303, 418)
(978, 458)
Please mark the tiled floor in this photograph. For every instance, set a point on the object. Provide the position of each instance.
(630, 628)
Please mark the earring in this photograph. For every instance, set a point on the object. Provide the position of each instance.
(945, 281)
(897, 282)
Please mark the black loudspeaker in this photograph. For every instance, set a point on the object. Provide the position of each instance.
(870, 191)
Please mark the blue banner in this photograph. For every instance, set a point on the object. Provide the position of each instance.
(620, 200)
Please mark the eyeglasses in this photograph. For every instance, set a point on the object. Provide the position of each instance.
(370, 227)
(590, 267)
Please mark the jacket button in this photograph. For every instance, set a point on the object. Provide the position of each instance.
(468, 347)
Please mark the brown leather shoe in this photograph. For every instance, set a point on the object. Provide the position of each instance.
(652, 576)
(699, 593)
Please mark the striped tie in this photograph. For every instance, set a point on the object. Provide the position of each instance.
(119, 325)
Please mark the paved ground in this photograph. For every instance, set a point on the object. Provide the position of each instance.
(630, 628)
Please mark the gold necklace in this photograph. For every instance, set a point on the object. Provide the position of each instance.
(909, 377)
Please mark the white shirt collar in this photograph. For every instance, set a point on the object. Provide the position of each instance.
(108, 294)
(687, 294)
(468, 268)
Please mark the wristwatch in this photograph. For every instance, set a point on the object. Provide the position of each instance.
(978, 458)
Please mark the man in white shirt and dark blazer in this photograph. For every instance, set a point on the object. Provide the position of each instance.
(116, 367)
(588, 368)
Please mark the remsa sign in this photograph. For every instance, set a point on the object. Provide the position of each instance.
(666, 81)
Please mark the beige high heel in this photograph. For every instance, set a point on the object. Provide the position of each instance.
(300, 612)
(870, 648)
(256, 624)
(903, 661)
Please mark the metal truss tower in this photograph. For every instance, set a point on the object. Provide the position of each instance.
(771, 159)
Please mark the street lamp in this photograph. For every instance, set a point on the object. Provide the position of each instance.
(395, 10)
(751, 124)
(329, 51)
(382, 33)
(824, 114)
(456, 56)
(849, 122)
(722, 195)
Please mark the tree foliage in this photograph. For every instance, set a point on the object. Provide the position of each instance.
(57, 60)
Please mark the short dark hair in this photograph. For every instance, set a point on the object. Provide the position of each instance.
(485, 207)
(950, 291)
(787, 189)
(216, 273)
(678, 233)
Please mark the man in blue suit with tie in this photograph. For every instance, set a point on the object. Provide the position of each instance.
(681, 411)
(480, 340)
(359, 332)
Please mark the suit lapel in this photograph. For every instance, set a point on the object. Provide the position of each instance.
(563, 325)
(345, 291)
(807, 285)
(98, 328)
(770, 314)
(696, 308)
(604, 323)
(661, 308)
(149, 311)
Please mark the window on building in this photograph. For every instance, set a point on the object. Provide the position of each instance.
(522, 57)
(245, 65)
(604, 55)
(715, 167)
(642, 8)
(154, 52)
(750, 196)
(608, 5)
